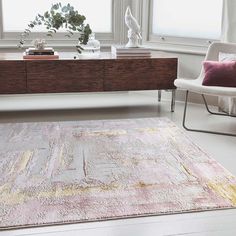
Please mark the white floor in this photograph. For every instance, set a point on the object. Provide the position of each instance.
(134, 105)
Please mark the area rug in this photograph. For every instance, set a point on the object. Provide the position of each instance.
(71, 172)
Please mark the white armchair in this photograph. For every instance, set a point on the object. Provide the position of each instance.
(197, 87)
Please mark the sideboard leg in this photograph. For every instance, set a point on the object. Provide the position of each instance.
(173, 100)
(159, 95)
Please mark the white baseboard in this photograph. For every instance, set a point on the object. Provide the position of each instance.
(89, 100)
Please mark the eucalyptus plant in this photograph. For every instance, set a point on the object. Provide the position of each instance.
(58, 17)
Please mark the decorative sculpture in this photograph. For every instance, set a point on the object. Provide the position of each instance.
(39, 44)
(134, 33)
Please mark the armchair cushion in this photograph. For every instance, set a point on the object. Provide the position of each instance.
(227, 56)
(219, 73)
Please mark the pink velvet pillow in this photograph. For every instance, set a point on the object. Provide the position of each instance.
(220, 73)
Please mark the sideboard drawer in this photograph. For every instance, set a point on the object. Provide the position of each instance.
(166, 72)
(65, 76)
(12, 77)
(140, 74)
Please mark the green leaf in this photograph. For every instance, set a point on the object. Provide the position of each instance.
(55, 6)
(46, 14)
(70, 32)
(80, 47)
(65, 9)
(54, 31)
(59, 16)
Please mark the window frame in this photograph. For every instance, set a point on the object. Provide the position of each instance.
(170, 43)
(118, 35)
(142, 10)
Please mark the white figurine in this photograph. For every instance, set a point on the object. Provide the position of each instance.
(134, 33)
(39, 44)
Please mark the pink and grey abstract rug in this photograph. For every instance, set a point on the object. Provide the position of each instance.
(69, 172)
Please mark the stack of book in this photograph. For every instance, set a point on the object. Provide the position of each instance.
(45, 54)
(123, 52)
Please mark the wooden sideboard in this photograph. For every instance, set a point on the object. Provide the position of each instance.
(69, 75)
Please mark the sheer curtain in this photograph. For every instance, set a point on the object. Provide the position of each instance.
(228, 35)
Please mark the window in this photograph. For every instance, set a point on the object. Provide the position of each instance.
(17, 13)
(104, 16)
(200, 19)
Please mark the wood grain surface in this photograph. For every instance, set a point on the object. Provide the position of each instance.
(140, 74)
(91, 75)
(64, 76)
(12, 77)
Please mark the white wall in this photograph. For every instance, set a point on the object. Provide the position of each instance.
(189, 67)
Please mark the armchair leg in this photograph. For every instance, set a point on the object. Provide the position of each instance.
(199, 130)
(214, 113)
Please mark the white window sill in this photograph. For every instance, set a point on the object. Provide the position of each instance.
(177, 48)
(62, 44)
(155, 46)
(58, 46)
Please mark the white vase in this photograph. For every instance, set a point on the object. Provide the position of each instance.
(92, 48)
(93, 42)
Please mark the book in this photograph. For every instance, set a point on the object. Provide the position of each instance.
(40, 53)
(40, 57)
(45, 51)
(31, 50)
(122, 50)
(132, 57)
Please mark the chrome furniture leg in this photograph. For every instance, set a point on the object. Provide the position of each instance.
(159, 95)
(173, 100)
(213, 113)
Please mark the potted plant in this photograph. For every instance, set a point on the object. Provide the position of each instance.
(58, 17)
